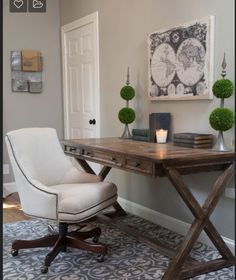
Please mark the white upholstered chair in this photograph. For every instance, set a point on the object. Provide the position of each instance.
(52, 187)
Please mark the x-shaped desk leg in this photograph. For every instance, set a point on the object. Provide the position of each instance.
(176, 269)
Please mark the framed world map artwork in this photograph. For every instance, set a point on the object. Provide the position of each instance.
(181, 61)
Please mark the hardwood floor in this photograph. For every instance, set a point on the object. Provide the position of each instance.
(12, 209)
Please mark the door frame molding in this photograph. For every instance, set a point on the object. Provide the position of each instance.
(91, 18)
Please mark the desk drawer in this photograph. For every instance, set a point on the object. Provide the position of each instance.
(103, 158)
(139, 166)
(72, 151)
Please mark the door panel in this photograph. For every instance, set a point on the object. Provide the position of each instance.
(87, 91)
(75, 133)
(74, 88)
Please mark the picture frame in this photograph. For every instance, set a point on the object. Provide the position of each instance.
(180, 62)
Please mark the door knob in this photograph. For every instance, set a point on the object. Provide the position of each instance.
(92, 121)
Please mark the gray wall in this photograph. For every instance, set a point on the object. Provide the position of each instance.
(123, 29)
(33, 31)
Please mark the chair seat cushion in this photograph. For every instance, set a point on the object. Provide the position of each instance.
(78, 202)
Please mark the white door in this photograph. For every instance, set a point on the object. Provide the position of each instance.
(80, 56)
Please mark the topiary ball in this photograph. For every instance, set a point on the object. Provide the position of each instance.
(221, 119)
(126, 115)
(223, 88)
(127, 92)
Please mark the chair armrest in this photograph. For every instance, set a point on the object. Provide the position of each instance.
(40, 201)
(43, 188)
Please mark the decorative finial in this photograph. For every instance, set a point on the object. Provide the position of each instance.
(127, 81)
(223, 65)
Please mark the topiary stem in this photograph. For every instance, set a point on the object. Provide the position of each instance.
(222, 103)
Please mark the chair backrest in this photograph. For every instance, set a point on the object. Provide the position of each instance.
(36, 153)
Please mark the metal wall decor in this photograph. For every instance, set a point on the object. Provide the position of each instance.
(181, 62)
(26, 71)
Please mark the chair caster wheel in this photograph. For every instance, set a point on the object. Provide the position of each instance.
(44, 269)
(100, 258)
(95, 239)
(14, 252)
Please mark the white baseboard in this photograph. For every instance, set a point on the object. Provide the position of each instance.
(166, 221)
(9, 188)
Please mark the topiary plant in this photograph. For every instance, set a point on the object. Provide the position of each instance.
(127, 115)
(223, 88)
(222, 119)
(127, 92)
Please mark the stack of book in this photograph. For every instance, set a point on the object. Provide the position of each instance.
(193, 140)
(141, 134)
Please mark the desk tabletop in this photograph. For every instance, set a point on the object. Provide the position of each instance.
(152, 151)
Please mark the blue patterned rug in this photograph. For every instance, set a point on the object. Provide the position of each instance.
(127, 258)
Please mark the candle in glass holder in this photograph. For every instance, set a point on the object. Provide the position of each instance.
(161, 135)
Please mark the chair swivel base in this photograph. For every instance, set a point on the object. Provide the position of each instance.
(61, 241)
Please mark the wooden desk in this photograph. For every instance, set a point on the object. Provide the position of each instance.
(153, 159)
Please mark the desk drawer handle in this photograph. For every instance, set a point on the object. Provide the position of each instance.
(137, 164)
(88, 153)
(113, 159)
(72, 149)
